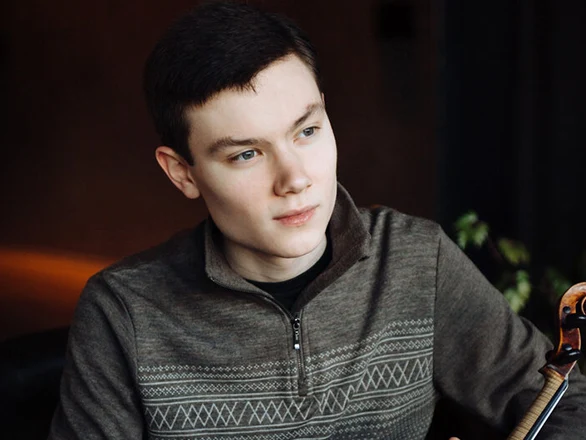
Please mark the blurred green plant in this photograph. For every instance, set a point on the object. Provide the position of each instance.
(513, 258)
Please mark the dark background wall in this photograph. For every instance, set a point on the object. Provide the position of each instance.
(512, 137)
(78, 169)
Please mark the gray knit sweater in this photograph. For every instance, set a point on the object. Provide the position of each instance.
(172, 344)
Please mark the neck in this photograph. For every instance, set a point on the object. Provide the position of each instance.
(257, 266)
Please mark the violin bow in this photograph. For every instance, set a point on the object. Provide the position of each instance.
(571, 318)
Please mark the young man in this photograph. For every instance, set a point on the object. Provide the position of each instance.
(289, 313)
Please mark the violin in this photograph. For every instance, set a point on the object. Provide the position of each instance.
(560, 362)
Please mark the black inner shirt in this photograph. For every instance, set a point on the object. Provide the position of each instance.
(286, 292)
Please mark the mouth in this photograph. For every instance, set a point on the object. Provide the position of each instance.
(297, 217)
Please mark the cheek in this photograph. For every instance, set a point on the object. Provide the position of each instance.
(229, 195)
(323, 161)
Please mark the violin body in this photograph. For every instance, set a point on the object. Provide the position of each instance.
(571, 319)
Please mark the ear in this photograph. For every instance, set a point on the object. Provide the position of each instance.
(178, 171)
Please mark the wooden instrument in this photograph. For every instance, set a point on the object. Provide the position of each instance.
(571, 318)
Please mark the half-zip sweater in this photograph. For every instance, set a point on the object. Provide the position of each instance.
(173, 344)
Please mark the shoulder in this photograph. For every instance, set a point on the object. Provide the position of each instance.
(174, 261)
(179, 250)
(400, 229)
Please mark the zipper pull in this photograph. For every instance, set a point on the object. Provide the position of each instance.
(296, 332)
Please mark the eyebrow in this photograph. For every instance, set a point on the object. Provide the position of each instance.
(228, 141)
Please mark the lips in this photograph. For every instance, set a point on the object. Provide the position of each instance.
(297, 217)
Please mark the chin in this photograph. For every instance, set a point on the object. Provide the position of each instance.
(298, 248)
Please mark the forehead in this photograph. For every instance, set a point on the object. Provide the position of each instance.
(279, 95)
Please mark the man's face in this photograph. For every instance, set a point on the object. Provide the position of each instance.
(265, 163)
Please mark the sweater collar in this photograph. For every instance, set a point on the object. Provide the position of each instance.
(350, 243)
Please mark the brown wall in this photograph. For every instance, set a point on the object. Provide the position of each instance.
(78, 171)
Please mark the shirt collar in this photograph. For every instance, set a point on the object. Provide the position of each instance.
(350, 243)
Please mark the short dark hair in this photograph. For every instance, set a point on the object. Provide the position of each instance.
(217, 46)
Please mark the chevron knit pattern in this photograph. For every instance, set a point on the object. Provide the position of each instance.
(378, 388)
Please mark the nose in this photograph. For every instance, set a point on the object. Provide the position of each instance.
(290, 174)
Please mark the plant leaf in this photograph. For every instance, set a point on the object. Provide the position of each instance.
(470, 230)
(513, 251)
(557, 281)
(466, 220)
(518, 295)
(479, 234)
(462, 238)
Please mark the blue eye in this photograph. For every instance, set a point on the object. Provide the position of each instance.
(309, 131)
(244, 156)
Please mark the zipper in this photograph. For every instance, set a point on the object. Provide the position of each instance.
(297, 346)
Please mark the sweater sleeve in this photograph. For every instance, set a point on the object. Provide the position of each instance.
(487, 358)
(98, 396)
